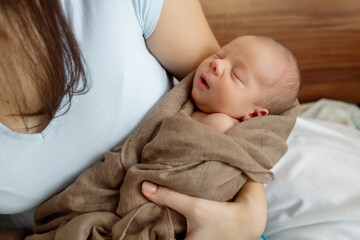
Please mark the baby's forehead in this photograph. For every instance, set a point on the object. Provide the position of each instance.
(250, 40)
(257, 47)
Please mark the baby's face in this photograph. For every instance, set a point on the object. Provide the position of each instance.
(231, 80)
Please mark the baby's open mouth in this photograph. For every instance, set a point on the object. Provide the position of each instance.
(203, 81)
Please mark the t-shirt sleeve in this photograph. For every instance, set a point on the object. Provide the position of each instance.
(148, 14)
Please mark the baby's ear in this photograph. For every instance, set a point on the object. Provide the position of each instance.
(263, 112)
(258, 111)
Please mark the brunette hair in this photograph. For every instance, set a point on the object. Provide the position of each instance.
(39, 52)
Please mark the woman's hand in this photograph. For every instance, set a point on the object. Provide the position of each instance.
(245, 218)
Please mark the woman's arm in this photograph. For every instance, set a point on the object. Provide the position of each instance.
(182, 37)
(253, 201)
(243, 219)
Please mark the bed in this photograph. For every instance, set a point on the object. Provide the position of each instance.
(315, 194)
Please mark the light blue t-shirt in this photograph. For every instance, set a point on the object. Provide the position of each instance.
(126, 81)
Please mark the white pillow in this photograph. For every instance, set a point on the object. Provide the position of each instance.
(316, 191)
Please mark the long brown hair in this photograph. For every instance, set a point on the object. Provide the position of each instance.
(38, 49)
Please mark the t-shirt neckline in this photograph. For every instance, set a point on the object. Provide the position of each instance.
(34, 136)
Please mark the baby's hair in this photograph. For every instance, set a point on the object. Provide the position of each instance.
(287, 86)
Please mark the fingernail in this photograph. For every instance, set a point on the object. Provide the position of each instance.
(149, 187)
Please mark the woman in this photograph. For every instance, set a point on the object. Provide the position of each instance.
(109, 62)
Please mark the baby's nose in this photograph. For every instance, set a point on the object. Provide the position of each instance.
(217, 67)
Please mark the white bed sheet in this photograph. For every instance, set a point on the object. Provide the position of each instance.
(316, 191)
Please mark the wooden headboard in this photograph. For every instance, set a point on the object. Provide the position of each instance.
(324, 35)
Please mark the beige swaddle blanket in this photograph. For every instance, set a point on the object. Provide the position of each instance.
(172, 150)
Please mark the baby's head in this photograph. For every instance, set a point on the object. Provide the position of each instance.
(250, 76)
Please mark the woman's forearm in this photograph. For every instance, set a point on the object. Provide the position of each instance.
(252, 195)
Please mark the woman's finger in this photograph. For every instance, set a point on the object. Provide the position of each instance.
(181, 203)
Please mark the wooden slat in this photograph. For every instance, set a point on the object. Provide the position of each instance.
(324, 35)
